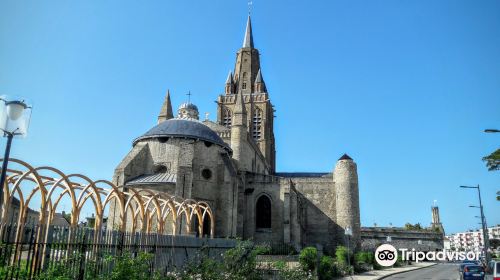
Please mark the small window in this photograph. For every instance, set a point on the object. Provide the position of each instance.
(206, 173)
(244, 86)
(207, 144)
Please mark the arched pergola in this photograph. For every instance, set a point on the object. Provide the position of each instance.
(135, 210)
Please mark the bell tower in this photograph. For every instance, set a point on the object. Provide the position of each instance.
(247, 80)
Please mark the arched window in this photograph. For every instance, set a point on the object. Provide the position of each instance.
(263, 213)
(226, 117)
(257, 124)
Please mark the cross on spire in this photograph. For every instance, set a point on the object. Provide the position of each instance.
(189, 96)
(250, 3)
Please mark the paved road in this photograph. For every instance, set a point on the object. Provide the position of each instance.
(437, 272)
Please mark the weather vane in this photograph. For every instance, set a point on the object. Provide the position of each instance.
(250, 3)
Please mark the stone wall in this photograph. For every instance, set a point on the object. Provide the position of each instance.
(316, 212)
(372, 237)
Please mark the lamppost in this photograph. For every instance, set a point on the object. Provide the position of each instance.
(483, 221)
(348, 234)
(14, 121)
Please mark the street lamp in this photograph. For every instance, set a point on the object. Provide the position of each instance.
(483, 221)
(14, 121)
(348, 234)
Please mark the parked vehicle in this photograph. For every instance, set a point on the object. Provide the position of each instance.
(493, 271)
(463, 265)
(472, 272)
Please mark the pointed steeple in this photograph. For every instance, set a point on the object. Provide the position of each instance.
(260, 86)
(166, 110)
(248, 40)
(259, 77)
(229, 79)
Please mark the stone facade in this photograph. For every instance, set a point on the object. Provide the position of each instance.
(230, 164)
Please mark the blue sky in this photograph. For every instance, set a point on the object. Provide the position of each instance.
(404, 87)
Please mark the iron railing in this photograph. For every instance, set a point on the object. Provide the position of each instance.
(83, 251)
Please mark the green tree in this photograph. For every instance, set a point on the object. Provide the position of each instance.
(493, 160)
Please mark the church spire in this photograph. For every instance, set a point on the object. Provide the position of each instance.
(248, 40)
(166, 110)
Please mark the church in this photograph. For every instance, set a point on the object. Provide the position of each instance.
(231, 165)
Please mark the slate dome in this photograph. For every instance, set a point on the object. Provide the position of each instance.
(188, 105)
(183, 128)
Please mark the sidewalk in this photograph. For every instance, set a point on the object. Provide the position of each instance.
(379, 274)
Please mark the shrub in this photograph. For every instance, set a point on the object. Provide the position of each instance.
(399, 262)
(127, 267)
(342, 254)
(308, 258)
(294, 274)
(206, 268)
(327, 268)
(69, 269)
(263, 249)
(239, 262)
(363, 261)
(364, 257)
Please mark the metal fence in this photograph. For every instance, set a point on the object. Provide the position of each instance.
(83, 250)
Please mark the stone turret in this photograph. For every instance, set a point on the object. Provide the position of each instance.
(260, 86)
(229, 89)
(436, 220)
(239, 130)
(166, 112)
(188, 110)
(345, 177)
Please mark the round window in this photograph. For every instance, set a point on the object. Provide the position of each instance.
(206, 173)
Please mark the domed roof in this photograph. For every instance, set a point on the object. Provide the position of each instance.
(188, 105)
(183, 128)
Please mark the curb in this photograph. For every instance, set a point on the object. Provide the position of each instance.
(399, 272)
